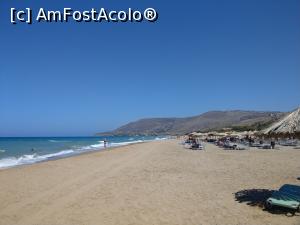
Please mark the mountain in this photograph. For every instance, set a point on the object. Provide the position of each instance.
(204, 122)
(289, 124)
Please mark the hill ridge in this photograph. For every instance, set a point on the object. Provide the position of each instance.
(216, 119)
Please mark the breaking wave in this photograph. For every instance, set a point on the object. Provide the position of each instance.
(58, 141)
(29, 159)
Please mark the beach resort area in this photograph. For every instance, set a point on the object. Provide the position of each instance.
(150, 112)
(222, 177)
(159, 182)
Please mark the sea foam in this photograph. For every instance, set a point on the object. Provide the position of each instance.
(58, 141)
(29, 159)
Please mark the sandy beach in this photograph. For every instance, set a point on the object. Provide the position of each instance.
(149, 183)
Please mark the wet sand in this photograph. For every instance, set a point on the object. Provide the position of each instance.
(149, 183)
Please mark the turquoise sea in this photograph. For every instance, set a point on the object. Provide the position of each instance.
(16, 151)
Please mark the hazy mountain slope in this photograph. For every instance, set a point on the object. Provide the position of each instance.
(206, 121)
(289, 124)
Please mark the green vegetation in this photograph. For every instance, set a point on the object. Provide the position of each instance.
(252, 127)
(257, 126)
(295, 135)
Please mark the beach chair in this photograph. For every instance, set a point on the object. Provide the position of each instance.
(197, 146)
(287, 196)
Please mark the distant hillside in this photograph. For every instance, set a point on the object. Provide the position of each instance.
(204, 122)
(289, 124)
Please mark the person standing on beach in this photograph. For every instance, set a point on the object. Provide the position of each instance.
(272, 144)
(105, 143)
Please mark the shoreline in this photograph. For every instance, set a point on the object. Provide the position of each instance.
(75, 154)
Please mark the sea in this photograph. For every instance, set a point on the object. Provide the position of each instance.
(15, 151)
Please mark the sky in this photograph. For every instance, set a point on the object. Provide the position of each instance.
(76, 79)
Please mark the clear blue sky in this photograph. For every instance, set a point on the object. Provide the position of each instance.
(80, 78)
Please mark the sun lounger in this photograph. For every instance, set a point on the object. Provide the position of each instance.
(293, 143)
(287, 196)
(197, 146)
(265, 146)
(240, 147)
(257, 145)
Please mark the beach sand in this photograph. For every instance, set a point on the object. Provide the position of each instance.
(149, 183)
